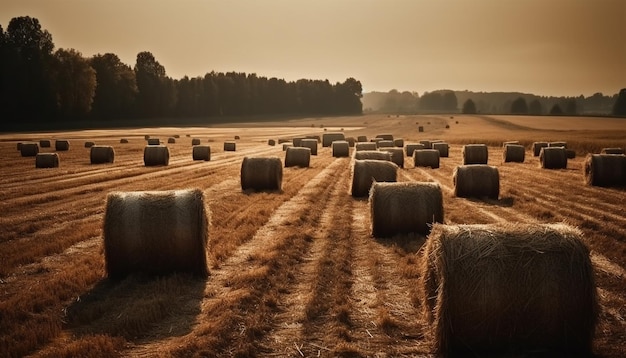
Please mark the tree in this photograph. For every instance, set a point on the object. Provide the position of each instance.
(449, 101)
(150, 77)
(519, 106)
(431, 101)
(116, 89)
(469, 107)
(535, 107)
(556, 110)
(619, 108)
(75, 84)
(571, 107)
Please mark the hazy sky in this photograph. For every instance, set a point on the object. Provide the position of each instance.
(547, 47)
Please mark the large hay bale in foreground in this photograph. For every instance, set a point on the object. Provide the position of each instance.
(44, 143)
(195, 141)
(99, 154)
(89, 144)
(154, 155)
(401, 208)
(29, 149)
(509, 290)
(537, 147)
(426, 158)
(311, 144)
(47, 160)
(156, 233)
(201, 152)
(514, 153)
(476, 180)
(261, 173)
(397, 155)
(612, 151)
(230, 146)
(372, 155)
(365, 146)
(605, 170)
(154, 141)
(443, 148)
(297, 157)
(385, 144)
(361, 138)
(366, 172)
(553, 158)
(329, 138)
(411, 147)
(475, 154)
(61, 145)
(340, 148)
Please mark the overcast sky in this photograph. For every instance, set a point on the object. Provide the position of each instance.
(546, 47)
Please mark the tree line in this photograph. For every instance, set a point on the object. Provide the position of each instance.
(39, 84)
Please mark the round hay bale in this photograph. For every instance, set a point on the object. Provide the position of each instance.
(509, 290)
(29, 149)
(89, 144)
(605, 170)
(261, 173)
(504, 144)
(44, 143)
(61, 145)
(426, 158)
(426, 143)
(176, 136)
(123, 141)
(408, 207)
(476, 181)
(311, 144)
(195, 141)
(287, 145)
(604, 150)
(47, 160)
(330, 137)
(237, 137)
(360, 146)
(297, 141)
(366, 172)
(298, 157)
(412, 147)
(146, 137)
(99, 154)
(397, 155)
(537, 147)
(398, 142)
(372, 155)
(553, 158)
(282, 140)
(447, 126)
(443, 148)
(316, 137)
(156, 155)
(19, 146)
(475, 154)
(201, 152)
(154, 141)
(514, 153)
(420, 129)
(171, 140)
(340, 148)
(557, 144)
(570, 153)
(271, 142)
(361, 138)
(156, 233)
(230, 146)
(385, 136)
(385, 143)
(351, 141)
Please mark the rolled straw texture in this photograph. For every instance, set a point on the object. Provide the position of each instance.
(537, 147)
(261, 173)
(29, 149)
(514, 153)
(99, 154)
(156, 155)
(47, 160)
(426, 158)
(372, 154)
(298, 157)
(605, 170)
(476, 181)
(553, 158)
(366, 172)
(475, 154)
(340, 148)
(201, 152)
(329, 138)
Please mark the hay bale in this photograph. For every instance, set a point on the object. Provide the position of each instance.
(271, 142)
(171, 140)
(360, 146)
(44, 143)
(330, 137)
(509, 290)
(230, 146)
(553, 158)
(475, 154)
(19, 146)
(316, 137)
(340, 148)
(123, 141)
(99, 154)
(385, 136)
(29, 149)
(282, 140)
(537, 147)
(237, 137)
(426, 158)
(195, 141)
(47, 160)
(61, 145)
(154, 141)
(504, 144)
(401, 208)
(201, 152)
(426, 143)
(411, 147)
(156, 155)
(361, 138)
(311, 144)
(261, 173)
(514, 153)
(398, 142)
(397, 155)
(605, 170)
(287, 145)
(366, 172)
(89, 144)
(156, 233)
(351, 141)
(476, 181)
(298, 157)
(297, 141)
(146, 137)
(420, 129)
(385, 143)
(604, 150)
(443, 148)
(557, 144)
(570, 153)
(372, 155)
(176, 136)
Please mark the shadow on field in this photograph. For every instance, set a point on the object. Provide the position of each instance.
(505, 202)
(138, 307)
(408, 243)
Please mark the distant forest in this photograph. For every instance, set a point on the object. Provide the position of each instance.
(41, 85)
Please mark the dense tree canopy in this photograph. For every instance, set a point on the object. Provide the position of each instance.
(469, 107)
(620, 105)
(519, 106)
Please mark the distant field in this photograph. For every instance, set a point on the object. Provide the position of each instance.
(293, 273)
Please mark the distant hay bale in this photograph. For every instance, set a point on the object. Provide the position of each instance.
(608, 151)
(398, 142)
(195, 141)
(45, 143)
(237, 137)
(89, 144)
(504, 144)
(287, 145)
(47, 160)
(509, 290)
(176, 136)
(361, 138)
(366, 172)
(475, 154)
(351, 141)
(426, 143)
(476, 181)
(29, 149)
(311, 144)
(360, 146)
(271, 142)
(330, 137)
(230, 146)
(282, 140)
(557, 144)
(19, 146)
(61, 145)
(123, 141)
(570, 153)
(171, 140)
(297, 141)
(553, 158)
(156, 233)
(372, 155)
(385, 144)
(340, 148)
(411, 147)
(298, 157)
(408, 207)
(447, 126)
(316, 137)
(201, 152)
(99, 154)
(605, 170)
(154, 141)
(443, 148)
(154, 155)
(146, 137)
(385, 136)
(513, 153)
(420, 129)
(397, 155)
(537, 147)
(426, 158)
(261, 173)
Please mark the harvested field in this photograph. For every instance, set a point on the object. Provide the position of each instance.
(293, 272)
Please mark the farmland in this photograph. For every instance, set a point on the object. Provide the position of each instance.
(292, 273)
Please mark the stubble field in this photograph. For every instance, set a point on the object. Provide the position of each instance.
(292, 273)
